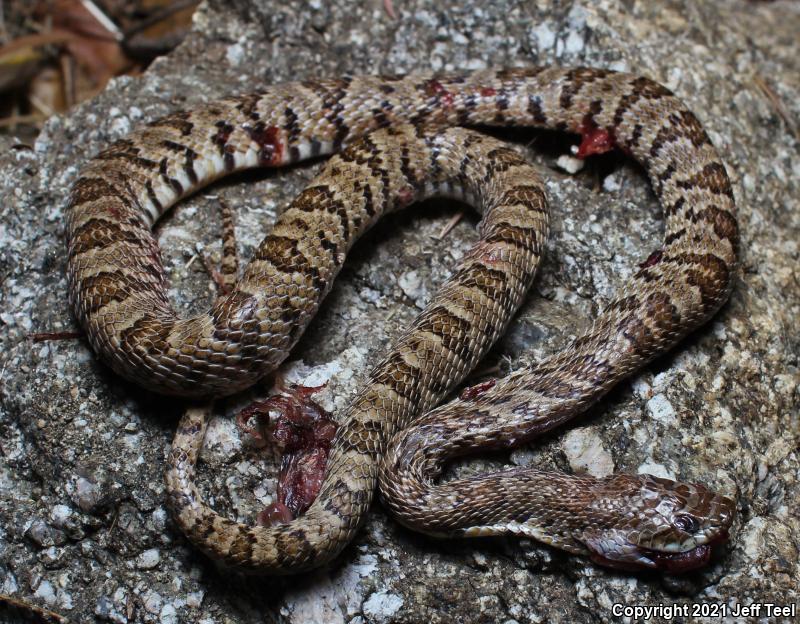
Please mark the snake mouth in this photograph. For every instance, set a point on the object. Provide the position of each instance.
(661, 560)
(679, 562)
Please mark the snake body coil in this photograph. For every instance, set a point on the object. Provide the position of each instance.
(400, 146)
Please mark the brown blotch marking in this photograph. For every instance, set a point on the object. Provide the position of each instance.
(626, 102)
(554, 387)
(178, 120)
(333, 506)
(516, 73)
(352, 441)
(649, 89)
(690, 127)
(316, 85)
(191, 429)
(101, 289)
(574, 81)
(723, 222)
(712, 177)
(521, 238)
(220, 139)
(396, 374)
(369, 202)
(328, 245)
(91, 189)
(174, 146)
(466, 160)
(362, 152)
(292, 133)
(590, 369)
(665, 134)
(313, 199)
(366, 428)
(622, 305)
(529, 195)
(291, 315)
(641, 88)
(659, 321)
(98, 233)
(633, 142)
(248, 104)
(501, 106)
(151, 194)
(188, 165)
(673, 209)
(382, 115)
(663, 177)
(233, 313)
(205, 529)
(405, 169)
(342, 132)
(126, 150)
(366, 152)
(189, 154)
(662, 312)
(242, 546)
(535, 109)
(120, 145)
(322, 198)
(674, 236)
(708, 273)
(291, 544)
(163, 170)
(148, 335)
(442, 323)
(360, 498)
(283, 254)
(339, 208)
(500, 160)
(490, 282)
(270, 147)
(332, 102)
(468, 104)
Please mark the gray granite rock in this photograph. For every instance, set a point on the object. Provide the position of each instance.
(83, 526)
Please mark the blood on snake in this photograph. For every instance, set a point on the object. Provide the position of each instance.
(399, 139)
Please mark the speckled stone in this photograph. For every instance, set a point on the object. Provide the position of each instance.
(83, 526)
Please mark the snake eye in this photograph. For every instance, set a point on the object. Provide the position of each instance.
(686, 523)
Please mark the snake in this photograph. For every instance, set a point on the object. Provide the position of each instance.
(395, 140)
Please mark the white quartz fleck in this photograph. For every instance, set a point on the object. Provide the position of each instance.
(149, 559)
(657, 470)
(381, 606)
(661, 409)
(585, 452)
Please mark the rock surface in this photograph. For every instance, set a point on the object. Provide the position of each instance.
(83, 526)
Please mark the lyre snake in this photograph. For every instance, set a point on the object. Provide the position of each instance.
(118, 291)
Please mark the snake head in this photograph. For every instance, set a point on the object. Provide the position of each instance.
(654, 523)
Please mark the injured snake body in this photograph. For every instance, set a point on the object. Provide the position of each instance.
(398, 140)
